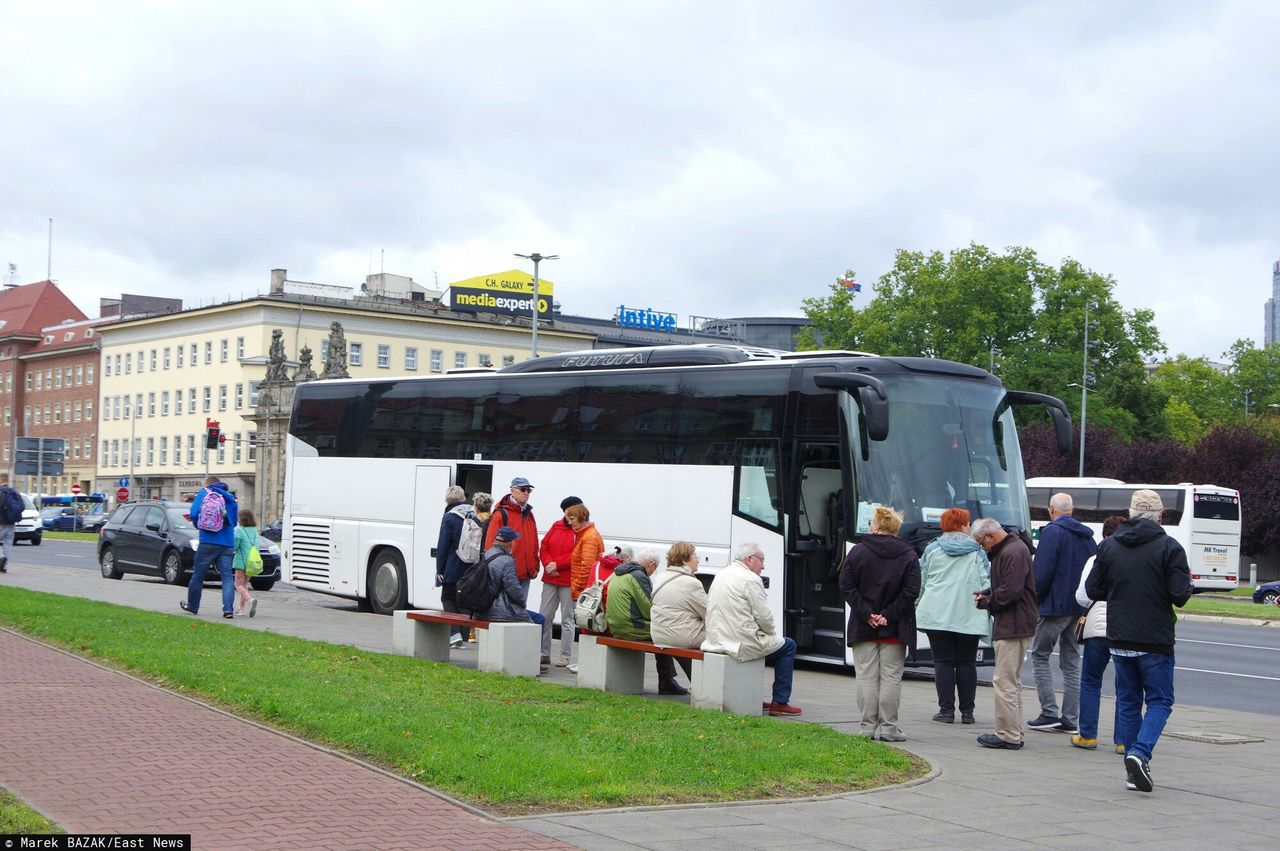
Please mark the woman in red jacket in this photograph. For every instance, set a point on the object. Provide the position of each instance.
(556, 554)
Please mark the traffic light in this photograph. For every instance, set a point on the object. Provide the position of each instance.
(212, 436)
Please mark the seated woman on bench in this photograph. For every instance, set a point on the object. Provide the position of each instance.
(628, 607)
(679, 613)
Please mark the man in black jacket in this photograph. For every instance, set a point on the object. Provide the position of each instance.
(1142, 573)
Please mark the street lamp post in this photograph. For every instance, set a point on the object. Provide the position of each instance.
(1085, 380)
(1084, 399)
(536, 258)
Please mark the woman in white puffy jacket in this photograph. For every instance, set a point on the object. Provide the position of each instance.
(1097, 654)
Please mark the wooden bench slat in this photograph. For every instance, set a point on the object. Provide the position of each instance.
(646, 647)
(452, 618)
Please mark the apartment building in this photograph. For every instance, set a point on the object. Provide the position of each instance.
(163, 377)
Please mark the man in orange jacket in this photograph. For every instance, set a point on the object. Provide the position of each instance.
(514, 510)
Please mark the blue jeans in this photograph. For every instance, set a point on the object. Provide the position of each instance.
(1097, 653)
(205, 556)
(784, 664)
(1139, 677)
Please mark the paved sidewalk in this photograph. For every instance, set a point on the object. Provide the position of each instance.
(101, 752)
(1046, 795)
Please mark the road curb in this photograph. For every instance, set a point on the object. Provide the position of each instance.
(1275, 624)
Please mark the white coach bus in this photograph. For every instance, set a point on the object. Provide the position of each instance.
(716, 445)
(1204, 519)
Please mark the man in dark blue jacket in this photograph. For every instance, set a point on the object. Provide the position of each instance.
(1065, 545)
(217, 547)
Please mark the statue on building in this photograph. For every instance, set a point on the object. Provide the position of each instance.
(304, 372)
(335, 364)
(276, 372)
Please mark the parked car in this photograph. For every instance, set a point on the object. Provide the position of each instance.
(1267, 592)
(29, 528)
(157, 538)
(66, 518)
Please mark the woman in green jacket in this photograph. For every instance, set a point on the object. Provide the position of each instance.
(953, 568)
(246, 538)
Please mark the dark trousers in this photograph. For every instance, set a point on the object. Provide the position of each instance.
(955, 669)
(449, 600)
(667, 667)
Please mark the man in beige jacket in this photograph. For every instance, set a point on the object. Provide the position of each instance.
(740, 625)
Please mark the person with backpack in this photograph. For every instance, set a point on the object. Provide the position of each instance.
(511, 595)
(10, 513)
(514, 512)
(556, 555)
(215, 514)
(450, 554)
(246, 544)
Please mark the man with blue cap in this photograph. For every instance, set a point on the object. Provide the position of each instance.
(509, 604)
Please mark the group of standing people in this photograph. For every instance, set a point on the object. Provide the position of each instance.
(1116, 598)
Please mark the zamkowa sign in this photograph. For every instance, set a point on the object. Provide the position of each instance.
(505, 292)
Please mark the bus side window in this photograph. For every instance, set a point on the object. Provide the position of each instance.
(757, 485)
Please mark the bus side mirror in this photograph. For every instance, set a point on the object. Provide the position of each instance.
(1057, 412)
(872, 398)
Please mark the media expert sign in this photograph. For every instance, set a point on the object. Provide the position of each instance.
(507, 292)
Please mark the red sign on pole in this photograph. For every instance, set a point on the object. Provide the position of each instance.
(75, 489)
(122, 494)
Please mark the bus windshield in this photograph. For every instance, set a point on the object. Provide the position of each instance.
(946, 448)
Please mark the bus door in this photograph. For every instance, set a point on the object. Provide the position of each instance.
(476, 478)
(815, 552)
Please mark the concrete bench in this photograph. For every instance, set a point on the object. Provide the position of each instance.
(505, 648)
(718, 682)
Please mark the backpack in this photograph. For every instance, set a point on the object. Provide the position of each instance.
(521, 573)
(213, 512)
(588, 611)
(253, 562)
(476, 589)
(11, 507)
(471, 539)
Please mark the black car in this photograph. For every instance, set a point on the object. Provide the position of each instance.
(1267, 592)
(157, 538)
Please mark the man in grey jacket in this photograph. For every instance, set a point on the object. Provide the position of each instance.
(509, 604)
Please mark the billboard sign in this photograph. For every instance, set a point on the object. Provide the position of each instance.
(510, 293)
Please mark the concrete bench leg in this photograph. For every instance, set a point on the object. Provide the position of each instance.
(721, 682)
(609, 669)
(510, 648)
(419, 639)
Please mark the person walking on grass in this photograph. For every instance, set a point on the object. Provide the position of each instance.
(215, 514)
(1142, 573)
(246, 538)
(1011, 599)
(1065, 545)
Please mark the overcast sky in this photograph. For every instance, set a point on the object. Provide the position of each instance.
(709, 158)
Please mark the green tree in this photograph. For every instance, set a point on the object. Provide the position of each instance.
(1208, 392)
(1183, 424)
(1257, 370)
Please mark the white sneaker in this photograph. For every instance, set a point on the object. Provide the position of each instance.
(456, 643)
(573, 669)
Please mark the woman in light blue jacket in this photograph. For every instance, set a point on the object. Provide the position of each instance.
(246, 538)
(953, 569)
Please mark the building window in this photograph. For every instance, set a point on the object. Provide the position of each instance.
(106, 371)
(195, 355)
(117, 365)
(88, 374)
(324, 352)
(165, 361)
(128, 363)
(208, 352)
(223, 351)
(459, 360)
(88, 409)
(151, 404)
(137, 452)
(239, 348)
(26, 418)
(28, 382)
(39, 416)
(66, 412)
(222, 397)
(384, 356)
(235, 448)
(485, 359)
(253, 447)
(356, 354)
(164, 451)
(177, 450)
(177, 404)
(410, 358)
(57, 412)
(191, 400)
(79, 375)
(222, 453)
(8, 415)
(164, 403)
(253, 393)
(239, 395)
(140, 356)
(57, 379)
(39, 380)
(106, 452)
(181, 350)
(77, 410)
(191, 449)
(115, 453)
(115, 400)
(153, 360)
(437, 360)
(208, 399)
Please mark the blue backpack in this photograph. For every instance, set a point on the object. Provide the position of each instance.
(10, 507)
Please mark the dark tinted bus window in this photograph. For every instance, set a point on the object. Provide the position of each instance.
(722, 408)
(317, 408)
(455, 417)
(1174, 501)
(533, 418)
(817, 413)
(1215, 506)
(1038, 502)
(631, 419)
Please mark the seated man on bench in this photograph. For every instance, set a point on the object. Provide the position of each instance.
(628, 608)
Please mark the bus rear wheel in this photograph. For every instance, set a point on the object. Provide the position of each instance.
(388, 587)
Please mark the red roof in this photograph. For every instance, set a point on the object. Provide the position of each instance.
(25, 310)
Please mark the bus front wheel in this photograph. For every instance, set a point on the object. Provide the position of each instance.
(388, 589)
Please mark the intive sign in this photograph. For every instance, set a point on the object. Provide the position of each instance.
(645, 318)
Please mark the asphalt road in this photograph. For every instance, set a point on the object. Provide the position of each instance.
(1219, 665)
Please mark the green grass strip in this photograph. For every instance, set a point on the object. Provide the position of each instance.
(1220, 606)
(507, 744)
(17, 817)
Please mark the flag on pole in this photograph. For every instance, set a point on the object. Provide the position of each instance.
(849, 283)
